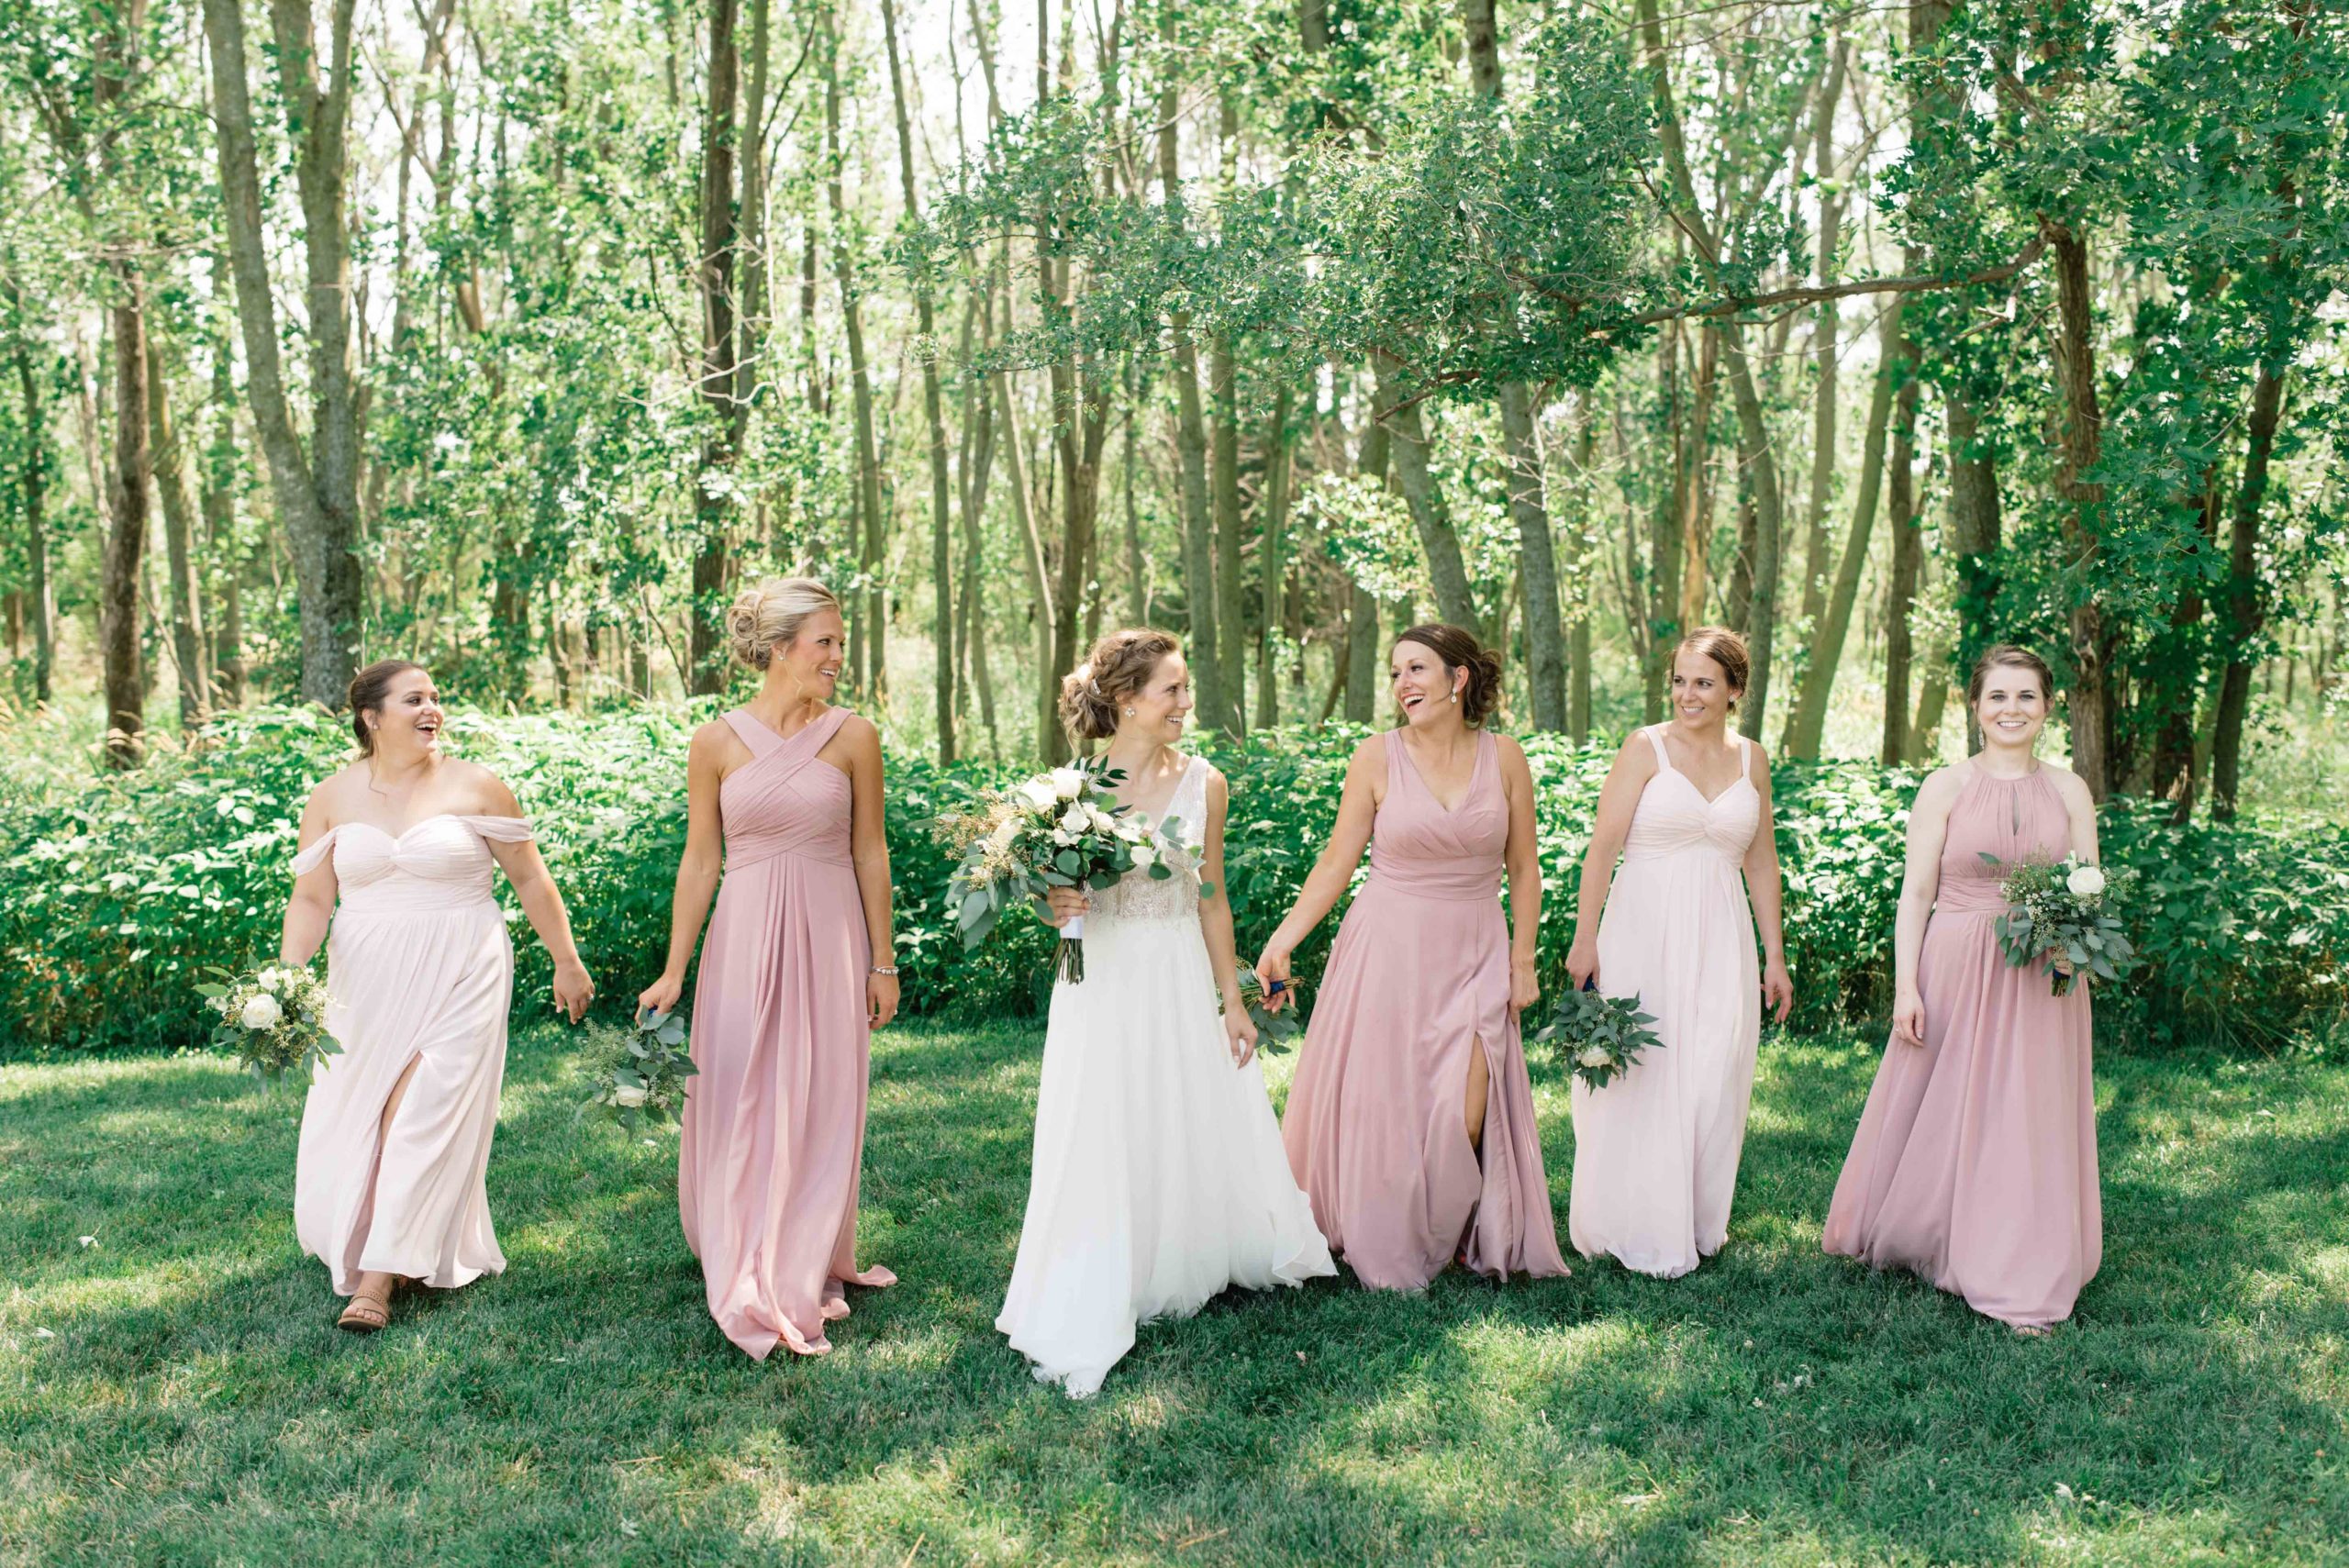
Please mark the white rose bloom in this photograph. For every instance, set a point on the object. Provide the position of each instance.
(1595, 1056)
(261, 1013)
(1068, 783)
(1063, 836)
(628, 1094)
(1076, 819)
(1102, 821)
(1038, 793)
(1145, 856)
(2086, 882)
(269, 980)
(1005, 832)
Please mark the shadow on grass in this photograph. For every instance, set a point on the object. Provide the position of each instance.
(1776, 1403)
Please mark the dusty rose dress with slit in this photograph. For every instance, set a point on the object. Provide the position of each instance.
(421, 970)
(1375, 1128)
(774, 1125)
(1974, 1163)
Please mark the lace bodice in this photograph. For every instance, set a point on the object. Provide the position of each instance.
(1138, 895)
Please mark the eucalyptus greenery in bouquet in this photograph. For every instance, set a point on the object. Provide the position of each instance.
(2059, 913)
(1274, 1031)
(1064, 829)
(638, 1073)
(273, 1019)
(1600, 1037)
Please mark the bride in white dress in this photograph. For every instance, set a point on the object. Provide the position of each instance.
(1158, 1178)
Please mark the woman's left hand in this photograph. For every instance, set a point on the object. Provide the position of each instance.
(572, 989)
(880, 1000)
(1777, 992)
(1524, 990)
(1240, 1031)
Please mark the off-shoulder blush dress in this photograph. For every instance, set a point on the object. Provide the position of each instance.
(421, 970)
(774, 1125)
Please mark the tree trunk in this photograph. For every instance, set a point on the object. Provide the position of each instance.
(2245, 616)
(940, 483)
(868, 639)
(1224, 484)
(2082, 431)
(713, 280)
(1664, 623)
(220, 538)
(179, 529)
(1361, 609)
(1579, 537)
(1907, 550)
(1191, 440)
(1807, 725)
(33, 485)
(315, 493)
(1974, 539)
(1137, 573)
(1039, 581)
(1761, 477)
(1408, 449)
(1697, 496)
(1271, 559)
(1828, 323)
(126, 533)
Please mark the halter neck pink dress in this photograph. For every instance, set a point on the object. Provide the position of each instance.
(421, 970)
(1419, 978)
(1657, 1150)
(773, 1125)
(1975, 1164)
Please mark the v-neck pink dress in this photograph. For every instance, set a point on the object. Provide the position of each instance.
(1657, 1150)
(774, 1125)
(1375, 1128)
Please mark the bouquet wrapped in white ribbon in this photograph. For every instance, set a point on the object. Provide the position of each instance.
(273, 1019)
(1063, 828)
(2060, 913)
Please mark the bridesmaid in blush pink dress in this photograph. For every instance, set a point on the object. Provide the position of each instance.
(398, 853)
(1975, 1164)
(789, 988)
(1687, 805)
(1410, 1121)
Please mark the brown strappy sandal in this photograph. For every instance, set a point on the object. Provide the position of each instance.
(367, 1313)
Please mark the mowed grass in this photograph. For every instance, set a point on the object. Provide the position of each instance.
(173, 1391)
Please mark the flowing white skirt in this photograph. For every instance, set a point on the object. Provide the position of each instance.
(1159, 1178)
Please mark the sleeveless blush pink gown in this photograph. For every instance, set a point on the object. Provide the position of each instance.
(774, 1125)
(421, 970)
(1975, 1164)
(1419, 978)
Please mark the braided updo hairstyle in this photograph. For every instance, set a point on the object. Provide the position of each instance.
(1120, 664)
(769, 616)
(1481, 698)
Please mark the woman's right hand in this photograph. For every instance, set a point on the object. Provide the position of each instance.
(661, 995)
(1582, 964)
(1062, 905)
(1272, 965)
(1908, 1018)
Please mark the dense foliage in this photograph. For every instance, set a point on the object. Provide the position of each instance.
(124, 890)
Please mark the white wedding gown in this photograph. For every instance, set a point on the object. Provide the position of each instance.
(1159, 1178)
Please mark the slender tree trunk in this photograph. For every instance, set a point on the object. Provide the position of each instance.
(868, 639)
(1697, 497)
(1908, 551)
(1579, 537)
(1137, 574)
(1361, 609)
(33, 486)
(1423, 498)
(714, 279)
(2244, 619)
(126, 534)
(940, 483)
(1664, 624)
(1271, 559)
(2082, 429)
(1807, 725)
(1975, 528)
(1762, 475)
(1223, 478)
(179, 529)
(1039, 581)
(1191, 440)
(1828, 323)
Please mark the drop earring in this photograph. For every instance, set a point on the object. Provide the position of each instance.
(1129, 713)
(1454, 698)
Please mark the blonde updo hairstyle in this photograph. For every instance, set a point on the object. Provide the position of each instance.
(1121, 664)
(769, 616)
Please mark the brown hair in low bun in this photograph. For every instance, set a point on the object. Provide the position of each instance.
(368, 690)
(2021, 659)
(1480, 699)
(1724, 647)
(1120, 664)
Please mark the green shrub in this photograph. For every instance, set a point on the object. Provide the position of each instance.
(123, 889)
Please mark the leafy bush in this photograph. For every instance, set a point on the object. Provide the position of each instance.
(121, 891)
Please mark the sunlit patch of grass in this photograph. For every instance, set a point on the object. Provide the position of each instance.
(191, 1401)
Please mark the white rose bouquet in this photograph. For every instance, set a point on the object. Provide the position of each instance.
(2059, 913)
(273, 1019)
(1599, 1037)
(1063, 828)
(638, 1073)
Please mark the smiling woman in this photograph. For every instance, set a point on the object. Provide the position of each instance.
(397, 852)
(783, 797)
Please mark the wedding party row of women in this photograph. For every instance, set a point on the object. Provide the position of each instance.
(1161, 1176)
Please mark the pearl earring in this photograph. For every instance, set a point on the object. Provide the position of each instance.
(1129, 713)
(1454, 698)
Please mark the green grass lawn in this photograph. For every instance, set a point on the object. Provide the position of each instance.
(173, 1390)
